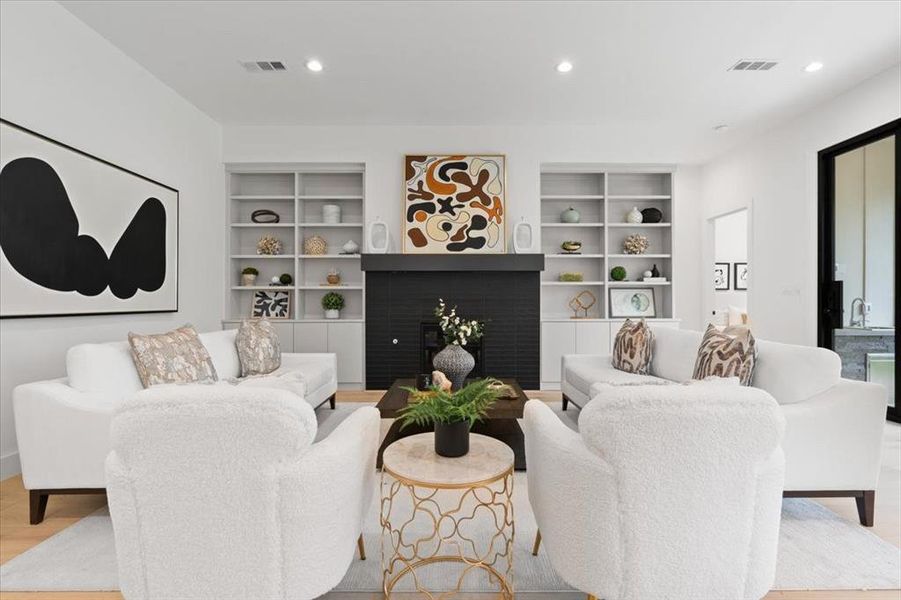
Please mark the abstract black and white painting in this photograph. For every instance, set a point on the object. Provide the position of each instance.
(272, 305)
(80, 235)
(721, 276)
(740, 280)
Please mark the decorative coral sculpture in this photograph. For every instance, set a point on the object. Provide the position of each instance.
(636, 244)
(269, 245)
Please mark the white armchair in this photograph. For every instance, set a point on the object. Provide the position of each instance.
(220, 493)
(666, 492)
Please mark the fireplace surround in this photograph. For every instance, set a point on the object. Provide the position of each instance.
(403, 290)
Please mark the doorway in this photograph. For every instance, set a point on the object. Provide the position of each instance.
(730, 276)
(858, 199)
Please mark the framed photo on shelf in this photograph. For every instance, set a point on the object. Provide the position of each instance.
(740, 279)
(633, 302)
(721, 272)
(271, 304)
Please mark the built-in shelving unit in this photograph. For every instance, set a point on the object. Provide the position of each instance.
(298, 193)
(603, 195)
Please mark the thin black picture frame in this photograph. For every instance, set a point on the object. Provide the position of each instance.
(727, 272)
(736, 279)
(134, 174)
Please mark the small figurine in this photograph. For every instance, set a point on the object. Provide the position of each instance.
(441, 381)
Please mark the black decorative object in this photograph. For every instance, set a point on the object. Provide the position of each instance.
(651, 215)
(264, 215)
(654, 271)
(104, 236)
(423, 381)
(452, 439)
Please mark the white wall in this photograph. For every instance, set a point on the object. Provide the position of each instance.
(731, 246)
(382, 149)
(777, 173)
(62, 79)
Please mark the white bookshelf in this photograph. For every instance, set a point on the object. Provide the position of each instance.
(297, 193)
(602, 194)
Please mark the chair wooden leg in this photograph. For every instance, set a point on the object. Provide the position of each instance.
(331, 402)
(537, 543)
(37, 506)
(361, 548)
(565, 402)
(866, 507)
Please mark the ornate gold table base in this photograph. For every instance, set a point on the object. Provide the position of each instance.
(401, 557)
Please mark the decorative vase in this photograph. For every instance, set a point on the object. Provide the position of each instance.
(634, 216)
(654, 271)
(333, 278)
(452, 439)
(456, 363)
(570, 215)
(332, 314)
(522, 237)
(378, 237)
(247, 279)
(651, 215)
(331, 213)
(351, 247)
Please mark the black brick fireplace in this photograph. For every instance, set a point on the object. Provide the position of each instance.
(402, 290)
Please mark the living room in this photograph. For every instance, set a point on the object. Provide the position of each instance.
(400, 299)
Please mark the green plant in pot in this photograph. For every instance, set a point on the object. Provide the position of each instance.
(452, 413)
(249, 276)
(332, 303)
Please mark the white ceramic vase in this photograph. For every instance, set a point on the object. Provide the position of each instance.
(634, 216)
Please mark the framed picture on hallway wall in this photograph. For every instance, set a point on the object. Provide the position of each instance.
(80, 235)
(454, 204)
(721, 271)
(740, 278)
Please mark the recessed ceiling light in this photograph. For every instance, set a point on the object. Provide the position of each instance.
(314, 65)
(721, 127)
(564, 67)
(813, 67)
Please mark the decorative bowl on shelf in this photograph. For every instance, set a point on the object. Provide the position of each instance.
(568, 276)
(571, 246)
(651, 215)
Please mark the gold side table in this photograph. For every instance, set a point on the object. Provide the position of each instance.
(416, 482)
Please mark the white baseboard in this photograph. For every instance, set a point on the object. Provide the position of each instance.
(9, 465)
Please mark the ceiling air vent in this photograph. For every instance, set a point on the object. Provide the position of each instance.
(753, 64)
(263, 66)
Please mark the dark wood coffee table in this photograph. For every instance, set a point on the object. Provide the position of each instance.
(500, 423)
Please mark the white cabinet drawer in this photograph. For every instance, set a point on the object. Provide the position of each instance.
(346, 340)
(310, 337)
(557, 339)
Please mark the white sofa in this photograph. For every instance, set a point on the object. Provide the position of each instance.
(834, 426)
(663, 493)
(62, 426)
(222, 494)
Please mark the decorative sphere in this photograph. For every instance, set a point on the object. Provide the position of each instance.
(648, 274)
(275, 279)
(618, 273)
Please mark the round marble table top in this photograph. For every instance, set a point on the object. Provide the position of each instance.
(413, 458)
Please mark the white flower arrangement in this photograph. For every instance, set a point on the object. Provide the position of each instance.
(456, 330)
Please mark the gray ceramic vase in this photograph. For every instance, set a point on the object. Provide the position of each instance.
(456, 363)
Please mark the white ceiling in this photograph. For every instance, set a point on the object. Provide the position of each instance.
(492, 63)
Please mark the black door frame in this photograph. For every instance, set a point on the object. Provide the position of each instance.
(829, 304)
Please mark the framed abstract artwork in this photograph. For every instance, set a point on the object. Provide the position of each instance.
(272, 305)
(721, 276)
(454, 204)
(740, 279)
(80, 235)
(632, 302)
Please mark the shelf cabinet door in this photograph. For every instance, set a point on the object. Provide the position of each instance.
(592, 338)
(346, 340)
(310, 337)
(557, 339)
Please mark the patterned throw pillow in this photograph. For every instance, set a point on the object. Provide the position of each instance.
(731, 352)
(177, 356)
(258, 348)
(632, 347)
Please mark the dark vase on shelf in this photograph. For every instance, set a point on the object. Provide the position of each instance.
(655, 272)
(452, 439)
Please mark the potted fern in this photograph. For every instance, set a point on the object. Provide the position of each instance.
(452, 413)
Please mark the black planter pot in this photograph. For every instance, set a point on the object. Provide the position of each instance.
(452, 439)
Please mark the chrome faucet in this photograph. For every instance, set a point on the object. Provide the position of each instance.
(861, 320)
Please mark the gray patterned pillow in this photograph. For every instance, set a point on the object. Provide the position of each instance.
(728, 353)
(632, 348)
(177, 356)
(258, 348)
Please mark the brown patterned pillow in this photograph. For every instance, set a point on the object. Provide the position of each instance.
(258, 347)
(632, 348)
(177, 356)
(731, 352)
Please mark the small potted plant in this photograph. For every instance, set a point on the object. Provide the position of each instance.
(332, 303)
(452, 413)
(249, 276)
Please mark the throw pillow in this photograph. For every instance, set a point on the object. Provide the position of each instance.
(177, 356)
(731, 352)
(258, 348)
(632, 348)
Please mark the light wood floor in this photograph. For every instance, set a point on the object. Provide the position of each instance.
(17, 536)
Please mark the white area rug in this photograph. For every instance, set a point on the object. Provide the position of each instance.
(817, 550)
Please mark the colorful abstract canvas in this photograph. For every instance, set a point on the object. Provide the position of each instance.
(454, 204)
